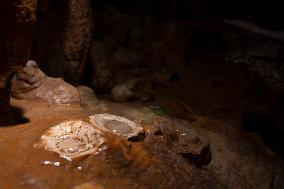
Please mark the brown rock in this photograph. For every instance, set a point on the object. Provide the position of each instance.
(87, 97)
(133, 89)
(178, 136)
(123, 92)
(192, 144)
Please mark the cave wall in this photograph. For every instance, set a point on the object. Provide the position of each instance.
(17, 23)
(137, 34)
(129, 34)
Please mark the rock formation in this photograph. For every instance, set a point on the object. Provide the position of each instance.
(32, 84)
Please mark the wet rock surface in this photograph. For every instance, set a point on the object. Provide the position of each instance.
(72, 139)
(172, 154)
(32, 84)
(118, 125)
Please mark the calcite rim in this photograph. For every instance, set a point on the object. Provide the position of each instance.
(98, 121)
(91, 139)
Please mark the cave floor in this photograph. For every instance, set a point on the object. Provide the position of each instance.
(210, 99)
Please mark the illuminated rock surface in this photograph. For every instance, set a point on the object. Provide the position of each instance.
(72, 139)
(116, 124)
(174, 154)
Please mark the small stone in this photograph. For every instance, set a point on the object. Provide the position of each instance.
(133, 89)
(88, 98)
(123, 92)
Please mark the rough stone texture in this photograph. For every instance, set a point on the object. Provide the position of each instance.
(68, 29)
(27, 10)
(239, 163)
(32, 84)
(179, 136)
(77, 39)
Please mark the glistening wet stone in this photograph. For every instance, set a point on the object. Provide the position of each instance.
(118, 127)
(72, 139)
(116, 124)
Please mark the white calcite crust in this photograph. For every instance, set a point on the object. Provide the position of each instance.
(116, 124)
(72, 139)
